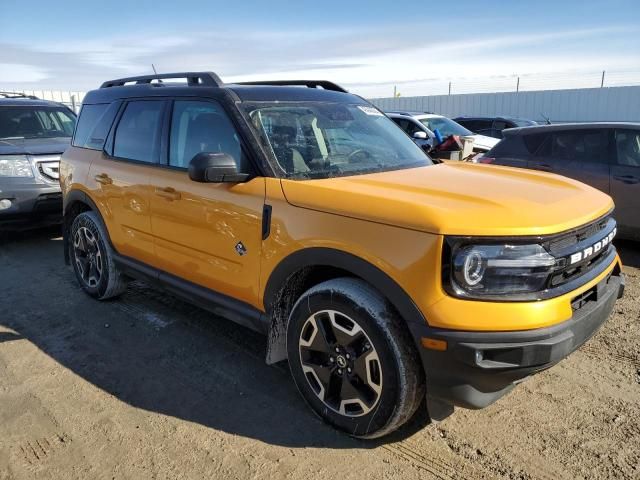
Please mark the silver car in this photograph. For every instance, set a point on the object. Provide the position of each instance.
(33, 135)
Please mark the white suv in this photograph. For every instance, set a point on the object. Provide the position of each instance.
(414, 122)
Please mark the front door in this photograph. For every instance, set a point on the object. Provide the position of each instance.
(582, 154)
(625, 182)
(207, 233)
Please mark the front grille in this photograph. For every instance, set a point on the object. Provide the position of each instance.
(582, 250)
(49, 170)
(48, 166)
(560, 244)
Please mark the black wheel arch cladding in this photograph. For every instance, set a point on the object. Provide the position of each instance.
(308, 259)
(74, 203)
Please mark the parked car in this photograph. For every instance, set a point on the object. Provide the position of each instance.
(306, 214)
(603, 155)
(33, 135)
(493, 126)
(421, 127)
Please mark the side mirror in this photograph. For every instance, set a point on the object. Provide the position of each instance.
(420, 135)
(207, 167)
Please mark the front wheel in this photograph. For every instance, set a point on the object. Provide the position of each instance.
(352, 358)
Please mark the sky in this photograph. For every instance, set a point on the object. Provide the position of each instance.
(370, 47)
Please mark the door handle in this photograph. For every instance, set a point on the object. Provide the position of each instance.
(103, 178)
(169, 193)
(628, 179)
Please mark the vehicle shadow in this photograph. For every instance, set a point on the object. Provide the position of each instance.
(629, 252)
(157, 353)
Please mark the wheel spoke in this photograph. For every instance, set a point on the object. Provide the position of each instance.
(348, 390)
(325, 328)
(79, 243)
(359, 345)
(333, 391)
(343, 328)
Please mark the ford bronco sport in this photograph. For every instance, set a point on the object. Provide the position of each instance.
(300, 210)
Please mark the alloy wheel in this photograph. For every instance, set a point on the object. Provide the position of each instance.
(340, 363)
(88, 257)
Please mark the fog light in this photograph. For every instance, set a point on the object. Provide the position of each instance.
(5, 203)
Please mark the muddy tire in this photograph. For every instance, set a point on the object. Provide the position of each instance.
(353, 359)
(92, 258)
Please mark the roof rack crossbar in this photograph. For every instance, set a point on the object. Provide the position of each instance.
(208, 79)
(17, 95)
(325, 84)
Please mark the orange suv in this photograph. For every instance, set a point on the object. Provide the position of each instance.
(302, 211)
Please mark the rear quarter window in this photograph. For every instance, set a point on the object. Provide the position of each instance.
(94, 124)
(514, 147)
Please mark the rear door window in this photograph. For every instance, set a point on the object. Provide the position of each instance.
(138, 133)
(578, 145)
(628, 148)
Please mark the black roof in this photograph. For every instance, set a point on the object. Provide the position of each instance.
(557, 127)
(208, 84)
(494, 117)
(407, 113)
(12, 99)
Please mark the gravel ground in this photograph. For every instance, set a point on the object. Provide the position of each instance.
(149, 387)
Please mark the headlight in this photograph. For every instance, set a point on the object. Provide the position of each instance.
(505, 271)
(15, 166)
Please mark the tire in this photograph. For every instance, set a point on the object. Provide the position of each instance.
(92, 258)
(353, 359)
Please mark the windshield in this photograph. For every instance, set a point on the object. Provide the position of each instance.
(445, 126)
(35, 122)
(322, 139)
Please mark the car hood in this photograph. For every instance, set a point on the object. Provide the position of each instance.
(482, 142)
(457, 199)
(34, 146)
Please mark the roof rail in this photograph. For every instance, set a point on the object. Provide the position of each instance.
(325, 84)
(208, 79)
(17, 95)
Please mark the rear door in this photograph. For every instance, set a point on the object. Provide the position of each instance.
(120, 177)
(625, 181)
(582, 154)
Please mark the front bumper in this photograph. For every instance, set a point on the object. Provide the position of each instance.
(31, 203)
(477, 368)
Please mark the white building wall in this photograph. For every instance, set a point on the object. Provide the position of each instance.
(620, 104)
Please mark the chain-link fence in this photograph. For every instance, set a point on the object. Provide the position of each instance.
(472, 83)
(71, 99)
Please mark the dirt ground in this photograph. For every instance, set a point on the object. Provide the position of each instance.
(149, 387)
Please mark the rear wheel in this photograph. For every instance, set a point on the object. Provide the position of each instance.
(352, 359)
(92, 258)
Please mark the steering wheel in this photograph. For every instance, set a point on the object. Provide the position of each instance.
(359, 151)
